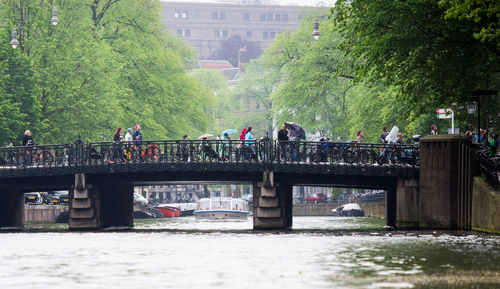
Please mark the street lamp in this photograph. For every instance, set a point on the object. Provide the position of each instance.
(471, 107)
(14, 43)
(54, 19)
(315, 32)
(471, 110)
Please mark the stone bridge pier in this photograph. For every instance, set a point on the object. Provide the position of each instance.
(272, 204)
(11, 208)
(101, 205)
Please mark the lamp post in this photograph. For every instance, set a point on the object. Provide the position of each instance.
(54, 19)
(15, 43)
(315, 32)
(476, 96)
(471, 110)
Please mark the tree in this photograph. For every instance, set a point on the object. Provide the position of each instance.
(108, 63)
(432, 61)
(19, 109)
(230, 50)
(485, 14)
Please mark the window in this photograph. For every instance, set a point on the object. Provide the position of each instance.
(269, 17)
(248, 34)
(185, 32)
(284, 17)
(222, 15)
(224, 33)
(246, 16)
(264, 35)
(217, 33)
(272, 35)
(180, 14)
(214, 15)
(277, 17)
(262, 17)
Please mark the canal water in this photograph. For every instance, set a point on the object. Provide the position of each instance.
(320, 252)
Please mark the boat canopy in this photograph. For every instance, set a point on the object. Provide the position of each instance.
(225, 204)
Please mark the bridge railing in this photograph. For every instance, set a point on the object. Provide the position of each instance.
(347, 153)
(37, 156)
(209, 151)
(490, 168)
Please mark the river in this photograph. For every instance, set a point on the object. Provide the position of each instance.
(320, 252)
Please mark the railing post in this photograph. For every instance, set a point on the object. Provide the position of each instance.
(78, 149)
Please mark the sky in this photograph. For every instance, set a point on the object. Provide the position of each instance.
(280, 2)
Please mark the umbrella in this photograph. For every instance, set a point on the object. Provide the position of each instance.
(207, 135)
(297, 129)
(229, 131)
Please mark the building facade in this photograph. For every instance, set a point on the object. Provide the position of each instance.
(205, 26)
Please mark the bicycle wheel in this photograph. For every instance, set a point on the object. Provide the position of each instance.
(153, 153)
(46, 158)
(364, 157)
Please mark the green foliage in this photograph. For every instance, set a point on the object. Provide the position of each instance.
(484, 13)
(432, 61)
(108, 63)
(19, 108)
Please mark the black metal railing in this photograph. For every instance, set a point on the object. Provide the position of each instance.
(37, 156)
(81, 154)
(489, 167)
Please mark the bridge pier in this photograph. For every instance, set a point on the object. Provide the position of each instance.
(272, 204)
(407, 203)
(11, 209)
(101, 205)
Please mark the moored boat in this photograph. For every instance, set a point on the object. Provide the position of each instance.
(349, 210)
(187, 209)
(168, 211)
(221, 209)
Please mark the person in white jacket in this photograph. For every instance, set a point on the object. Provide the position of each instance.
(128, 136)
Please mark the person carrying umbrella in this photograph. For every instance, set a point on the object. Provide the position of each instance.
(296, 133)
(294, 145)
(283, 141)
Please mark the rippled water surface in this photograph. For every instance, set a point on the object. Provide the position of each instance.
(182, 253)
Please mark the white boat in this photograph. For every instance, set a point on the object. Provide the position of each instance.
(349, 210)
(221, 209)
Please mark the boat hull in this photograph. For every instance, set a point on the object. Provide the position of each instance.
(220, 216)
(169, 212)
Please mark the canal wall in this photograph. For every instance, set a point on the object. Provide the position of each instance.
(42, 213)
(374, 209)
(313, 209)
(485, 207)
